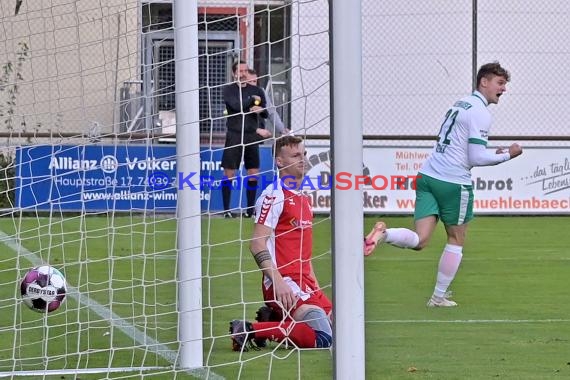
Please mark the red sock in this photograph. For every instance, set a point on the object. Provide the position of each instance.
(301, 334)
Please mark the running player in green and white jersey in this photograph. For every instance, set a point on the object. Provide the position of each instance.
(443, 188)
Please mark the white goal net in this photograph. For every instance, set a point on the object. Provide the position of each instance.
(88, 183)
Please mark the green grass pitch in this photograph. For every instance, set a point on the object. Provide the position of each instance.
(513, 319)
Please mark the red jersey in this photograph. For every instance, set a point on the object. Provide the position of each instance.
(289, 214)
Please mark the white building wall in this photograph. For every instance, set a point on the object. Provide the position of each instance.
(80, 51)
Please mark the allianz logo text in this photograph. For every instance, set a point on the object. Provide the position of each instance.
(340, 181)
(109, 164)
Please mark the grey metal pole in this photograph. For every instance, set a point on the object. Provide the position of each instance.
(188, 208)
(347, 213)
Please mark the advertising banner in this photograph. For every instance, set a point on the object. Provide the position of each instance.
(136, 177)
(122, 178)
(92, 177)
(537, 182)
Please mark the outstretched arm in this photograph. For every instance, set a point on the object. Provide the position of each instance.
(477, 152)
(479, 155)
(273, 115)
(258, 248)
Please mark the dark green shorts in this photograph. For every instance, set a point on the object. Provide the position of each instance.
(451, 202)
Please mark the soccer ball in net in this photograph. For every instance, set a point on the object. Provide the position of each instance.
(43, 289)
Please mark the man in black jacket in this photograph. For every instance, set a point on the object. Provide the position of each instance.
(244, 102)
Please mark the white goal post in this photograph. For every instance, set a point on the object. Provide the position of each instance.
(189, 221)
(346, 148)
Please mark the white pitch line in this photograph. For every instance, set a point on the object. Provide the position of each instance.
(114, 319)
(486, 259)
(404, 259)
(470, 321)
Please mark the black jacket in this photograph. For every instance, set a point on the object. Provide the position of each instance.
(238, 101)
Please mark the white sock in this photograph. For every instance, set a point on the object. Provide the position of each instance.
(402, 237)
(448, 265)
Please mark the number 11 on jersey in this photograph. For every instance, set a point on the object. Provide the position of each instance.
(445, 130)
